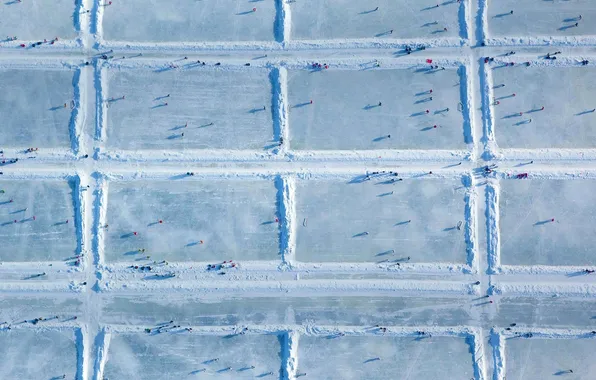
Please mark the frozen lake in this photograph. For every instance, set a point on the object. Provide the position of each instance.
(198, 106)
(336, 19)
(190, 20)
(44, 91)
(378, 220)
(540, 18)
(34, 225)
(345, 113)
(383, 357)
(529, 237)
(202, 220)
(562, 124)
(189, 356)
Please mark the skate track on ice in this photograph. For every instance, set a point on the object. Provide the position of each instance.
(558, 291)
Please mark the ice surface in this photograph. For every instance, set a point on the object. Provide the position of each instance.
(550, 358)
(181, 356)
(339, 214)
(39, 20)
(334, 19)
(32, 107)
(235, 219)
(48, 237)
(190, 20)
(355, 357)
(528, 237)
(247, 308)
(540, 18)
(38, 354)
(198, 97)
(345, 112)
(565, 94)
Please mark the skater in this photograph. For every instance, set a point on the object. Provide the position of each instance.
(376, 9)
(588, 271)
(380, 104)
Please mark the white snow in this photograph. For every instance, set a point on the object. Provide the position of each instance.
(316, 269)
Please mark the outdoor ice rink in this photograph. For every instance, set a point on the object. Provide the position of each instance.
(297, 189)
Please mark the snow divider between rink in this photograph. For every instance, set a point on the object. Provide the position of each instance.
(470, 226)
(74, 124)
(482, 22)
(100, 104)
(487, 116)
(81, 359)
(466, 101)
(102, 343)
(78, 200)
(463, 17)
(289, 359)
(492, 226)
(279, 83)
(474, 340)
(498, 344)
(286, 189)
(99, 217)
(283, 21)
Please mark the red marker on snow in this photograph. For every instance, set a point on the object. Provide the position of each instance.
(429, 61)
